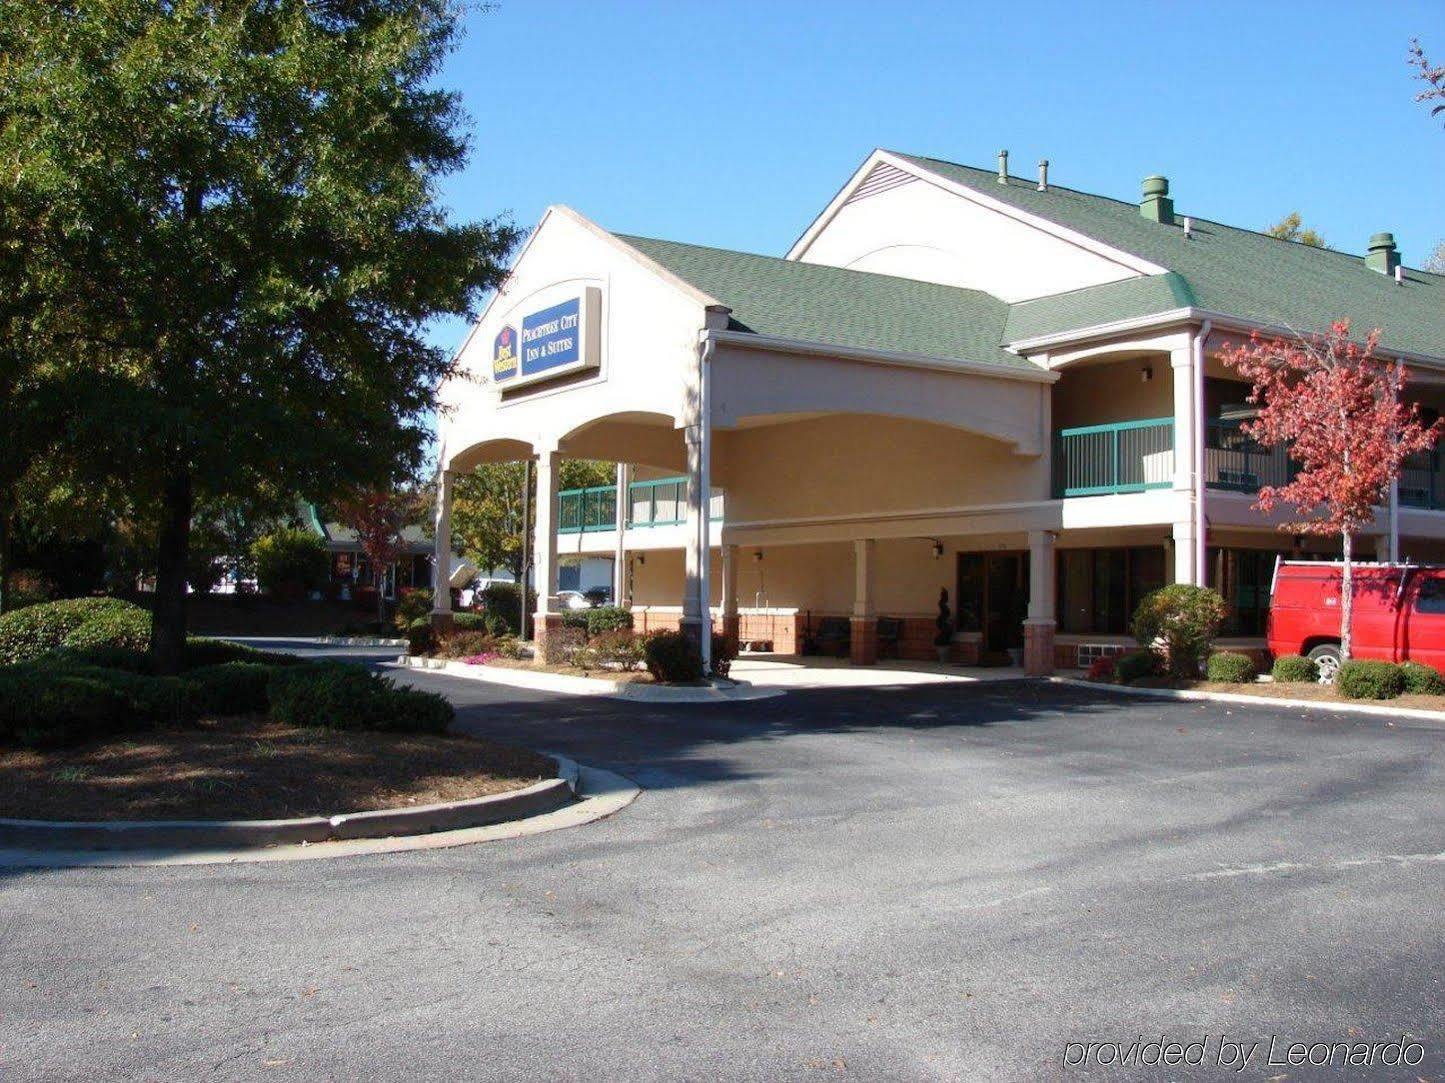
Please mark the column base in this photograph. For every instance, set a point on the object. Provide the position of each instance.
(732, 631)
(547, 637)
(695, 628)
(863, 641)
(442, 621)
(1038, 648)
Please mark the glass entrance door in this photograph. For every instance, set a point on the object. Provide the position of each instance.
(993, 597)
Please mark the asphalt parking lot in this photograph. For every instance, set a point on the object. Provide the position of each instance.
(940, 882)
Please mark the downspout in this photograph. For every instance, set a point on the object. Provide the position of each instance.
(1200, 454)
(704, 407)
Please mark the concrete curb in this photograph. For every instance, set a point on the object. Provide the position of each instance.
(544, 796)
(1379, 711)
(360, 641)
(602, 794)
(718, 692)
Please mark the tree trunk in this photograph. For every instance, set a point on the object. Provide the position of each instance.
(1347, 599)
(168, 631)
(7, 523)
(380, 598)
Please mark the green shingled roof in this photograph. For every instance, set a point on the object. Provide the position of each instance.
(839, 307)
(1231, 271)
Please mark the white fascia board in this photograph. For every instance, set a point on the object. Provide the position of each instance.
(1221, 321)
(963, 191)
(749, 340)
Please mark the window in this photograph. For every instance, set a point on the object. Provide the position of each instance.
(1431, 598)
(1243, 578)
(1099, 589)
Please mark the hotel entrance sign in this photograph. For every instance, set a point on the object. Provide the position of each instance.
(558, 340)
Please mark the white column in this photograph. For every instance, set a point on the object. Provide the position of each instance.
(863, 577)
(1184, 571)
(1041, 576)
(619, 555)
(544, 545)
(1392, 551)
(442, 562)
(694, 603)
(729, 581)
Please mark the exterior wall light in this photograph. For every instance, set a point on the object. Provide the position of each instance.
(758, 555)
(1146, 373)
(937, 550)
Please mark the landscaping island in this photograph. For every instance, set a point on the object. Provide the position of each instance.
(88, 731)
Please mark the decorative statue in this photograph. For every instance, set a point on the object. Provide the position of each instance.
(944, 639)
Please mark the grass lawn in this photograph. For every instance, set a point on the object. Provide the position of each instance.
(247, 768)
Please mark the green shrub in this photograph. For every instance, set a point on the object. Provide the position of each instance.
(52, 706)
(724, 651)
(229, 688)
(81, 623)
(470, 622)
(290, 561)
(1422, 680)
(126, 658)
(412, 604)
(1136, 664)
(420, 636)
(672, 657)
(1232, 668)
(341, 696)
(1180, 622)
(607, 618)
(466, 644)
(1370, 680)
(619, 649)
(215, 652)
(501, 600)
(1295, 669)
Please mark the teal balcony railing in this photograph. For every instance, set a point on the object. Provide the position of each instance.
(582, 510)
(1421, 482)
(1123, 457)
(1234, 462)
(660, 502)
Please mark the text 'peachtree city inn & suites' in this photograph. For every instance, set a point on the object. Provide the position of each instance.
(956, 378)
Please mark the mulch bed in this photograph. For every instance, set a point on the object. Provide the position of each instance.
(253, 769)
(1323, 693)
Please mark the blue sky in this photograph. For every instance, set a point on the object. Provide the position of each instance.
(733, 124)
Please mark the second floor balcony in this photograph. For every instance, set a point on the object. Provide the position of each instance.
(653, 503)
(1135, 456)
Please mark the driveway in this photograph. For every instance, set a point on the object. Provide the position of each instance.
(937, 882)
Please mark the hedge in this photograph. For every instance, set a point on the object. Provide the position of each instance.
(603, 618)
(39, 707)
(80, 623)
(1422, 680)
(1232, 668)
(341, 696)
(1136, 664)
(215, 652)
(1370, 680)
(1295, 669)
(290, 560)
(229, 688)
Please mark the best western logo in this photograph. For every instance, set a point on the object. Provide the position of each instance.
(504, 354)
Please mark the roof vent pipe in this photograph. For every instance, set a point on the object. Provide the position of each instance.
(1155, 203)
(1384, 256)
(1043, 174)
(1399, 275)
(1003, 167)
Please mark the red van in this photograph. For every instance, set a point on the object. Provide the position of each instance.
(1398, 613)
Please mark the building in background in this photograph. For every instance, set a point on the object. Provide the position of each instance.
(955, 380)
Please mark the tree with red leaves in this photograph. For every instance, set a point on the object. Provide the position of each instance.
(1337, 407)
(379, 516)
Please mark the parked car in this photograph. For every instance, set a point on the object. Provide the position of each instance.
(573, 599)
(1398, 613)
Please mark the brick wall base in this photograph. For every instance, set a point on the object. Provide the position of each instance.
(1038, 648)
(547, 633)
(863, 641)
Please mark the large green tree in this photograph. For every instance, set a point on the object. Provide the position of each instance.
(246, 221)
(487, 508)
